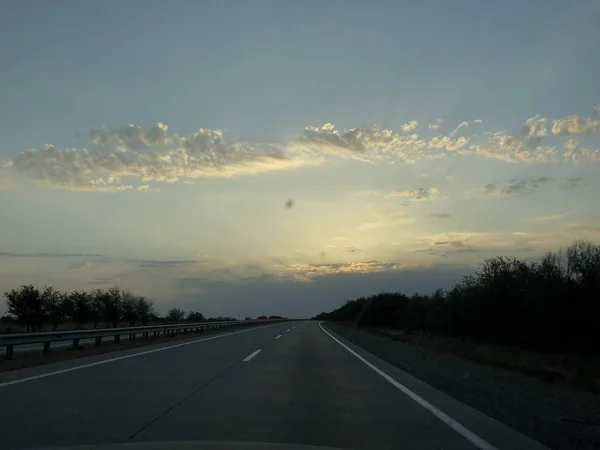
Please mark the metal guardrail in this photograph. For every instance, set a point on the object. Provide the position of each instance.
(13, 339)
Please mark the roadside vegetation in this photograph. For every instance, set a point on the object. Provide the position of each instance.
(539, 317)
(32, 309)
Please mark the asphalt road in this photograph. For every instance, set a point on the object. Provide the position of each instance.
(289, 382)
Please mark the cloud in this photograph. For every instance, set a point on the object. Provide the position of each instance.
(409, 126)
(165, 263)
(450, 243)
(274, 295)
(134, 158)
(578, 154)
(415, 195)
(47, 255)
(372, 144)
(5, 185)
(478, 121)
(542, 219)
(101, 281)
(572, 182)
(509, 148)
(535, 127)
(435, 124)
(448, 143)
(440, 215)
(306, 272)
(514, 187)
(143, 156)
(575, 124)
(132, 137)
(369, 226)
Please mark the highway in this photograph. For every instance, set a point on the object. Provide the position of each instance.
(291, 382)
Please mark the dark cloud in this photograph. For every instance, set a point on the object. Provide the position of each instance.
(272, 295)
(440, 215)
(98, 281)
(572, 182)
(47, 255)
(152, 263)
(352, 249)
(515, 187)
(451, 243)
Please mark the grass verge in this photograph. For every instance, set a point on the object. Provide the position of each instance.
(574, 371)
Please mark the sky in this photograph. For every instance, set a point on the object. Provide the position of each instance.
(245, 158)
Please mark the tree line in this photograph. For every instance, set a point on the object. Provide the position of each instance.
(550, 305)
(34, 308)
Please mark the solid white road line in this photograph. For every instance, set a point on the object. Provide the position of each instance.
(251, 355)
(278, 337)
(455, 425)
(119, 358)
(287, 330)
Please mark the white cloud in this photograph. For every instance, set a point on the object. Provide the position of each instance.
(446, 142)
(435, 124)
(571, 144)
(478, 121)
(306, 272)
(458, 128)
(535, 127)
(131, 157)
(509, 148)
(144, 156)
(575, 124)
(409, 126)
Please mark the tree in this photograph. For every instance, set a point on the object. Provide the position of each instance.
(97, 306)
(175, 315)
(195, 316)
(129, 311)
(547, 305)
(111, 306)
(144, 309)
(53, 306)
(79, 307)
(25, 305)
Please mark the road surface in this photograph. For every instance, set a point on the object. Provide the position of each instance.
(288, 382)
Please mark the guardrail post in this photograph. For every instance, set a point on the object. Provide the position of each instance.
(117, 338)
(46, 348)
(75, 343)
(9, 351)
(98, 341)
